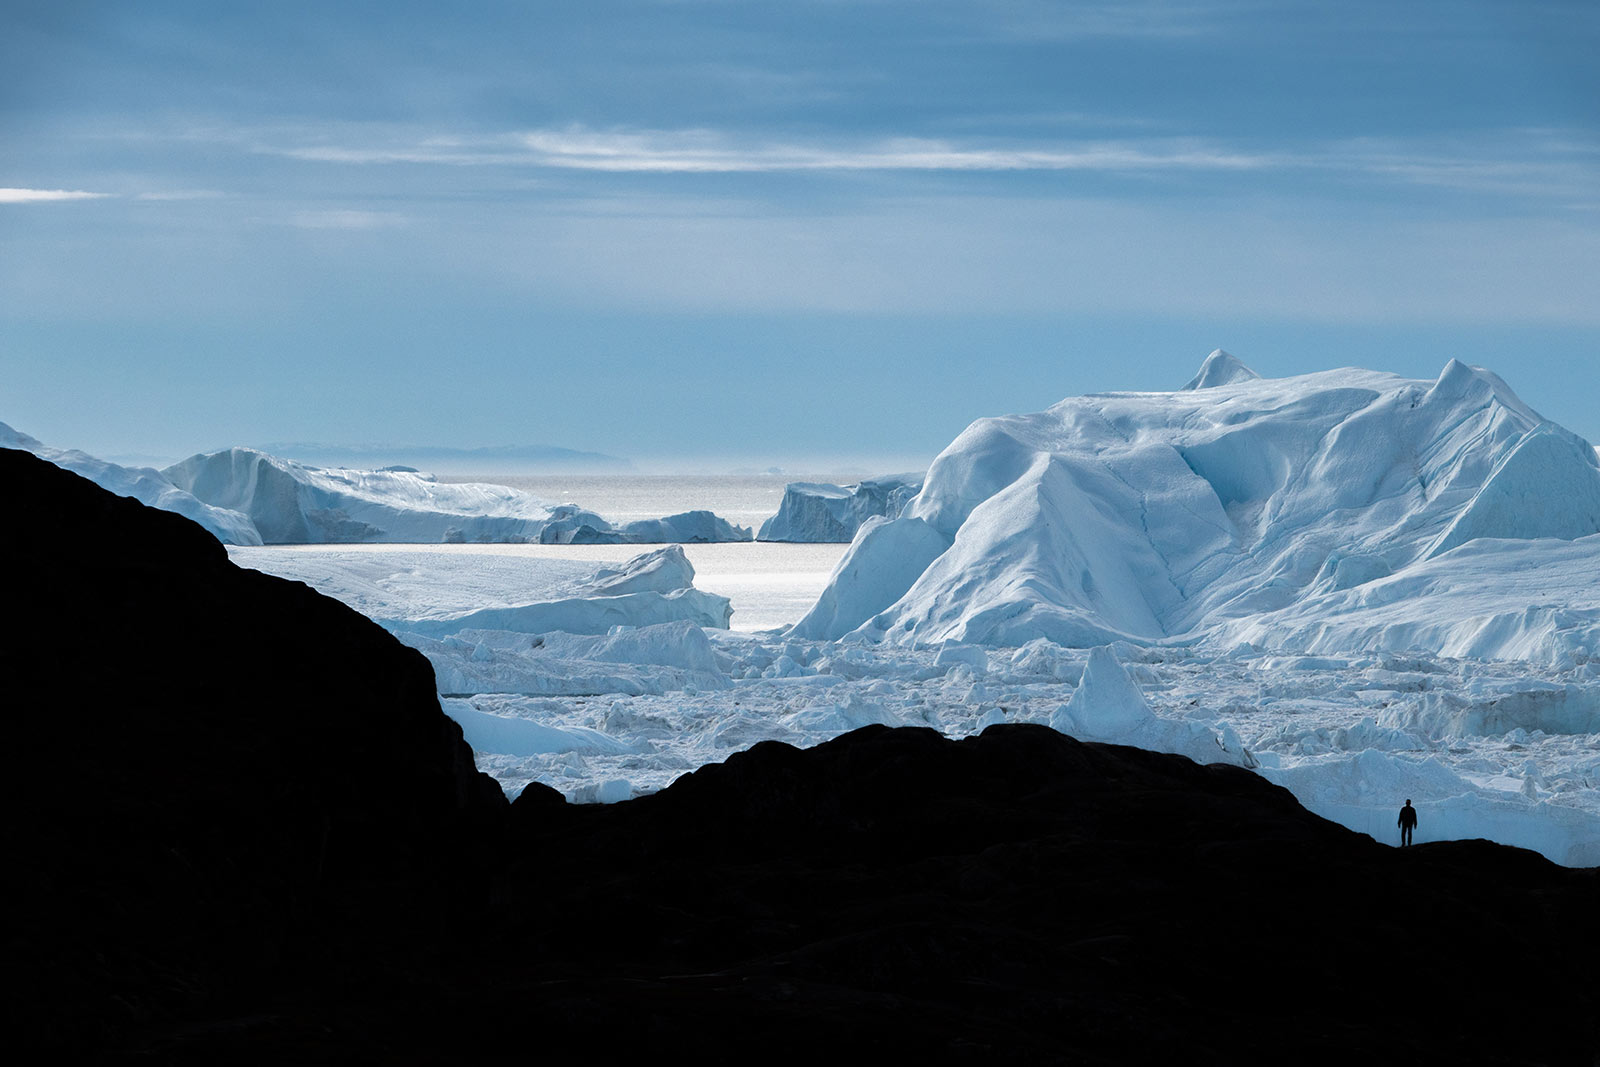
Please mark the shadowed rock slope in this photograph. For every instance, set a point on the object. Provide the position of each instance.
(243, 833)
(198, 755)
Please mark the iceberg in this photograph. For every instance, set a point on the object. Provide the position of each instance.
(291, 503)
(824, 512)
(1331, 512)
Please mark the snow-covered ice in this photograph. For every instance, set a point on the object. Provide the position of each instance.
(1341, 510)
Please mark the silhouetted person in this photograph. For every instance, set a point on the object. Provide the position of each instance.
(1408, 820)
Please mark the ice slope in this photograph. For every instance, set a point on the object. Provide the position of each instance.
(291, 503)
(144, 484)
(1239, 504)
(824, 512)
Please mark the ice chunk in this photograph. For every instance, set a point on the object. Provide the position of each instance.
(823, 512)
(1108, 706)
(1220, 368)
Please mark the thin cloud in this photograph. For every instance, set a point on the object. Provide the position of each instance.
(699, 152)
(710, 152)
(1527, 165)
(45, 196)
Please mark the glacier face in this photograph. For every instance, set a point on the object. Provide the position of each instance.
(1294, 512)
(828, 513)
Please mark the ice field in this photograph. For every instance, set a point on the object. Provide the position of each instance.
(1499, 749)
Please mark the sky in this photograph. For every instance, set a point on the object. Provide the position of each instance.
(698, 233)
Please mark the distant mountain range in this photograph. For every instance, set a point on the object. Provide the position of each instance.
(497, 460)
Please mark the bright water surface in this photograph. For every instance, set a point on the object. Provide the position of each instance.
(745, 499)
(770, 585)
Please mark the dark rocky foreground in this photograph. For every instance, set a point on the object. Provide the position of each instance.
(240, 830)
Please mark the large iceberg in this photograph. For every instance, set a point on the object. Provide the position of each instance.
(1348, 509)
(824, 512)
(291, 503)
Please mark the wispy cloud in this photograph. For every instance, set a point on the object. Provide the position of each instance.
(712, 152)
(1518, 163)
(46, 196)
(702, 152)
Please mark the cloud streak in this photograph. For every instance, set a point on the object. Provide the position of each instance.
(711, 152)
(46, 196)
(1528, 164)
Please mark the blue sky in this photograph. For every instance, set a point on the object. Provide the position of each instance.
(700, 232)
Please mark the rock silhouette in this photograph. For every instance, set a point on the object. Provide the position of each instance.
(231, 845)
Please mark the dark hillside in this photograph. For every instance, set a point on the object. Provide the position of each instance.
(241, 831)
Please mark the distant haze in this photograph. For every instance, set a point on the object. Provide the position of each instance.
(504, 459)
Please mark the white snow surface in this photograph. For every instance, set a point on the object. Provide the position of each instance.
(1343, 511)
(144, 484)
(824, 512)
